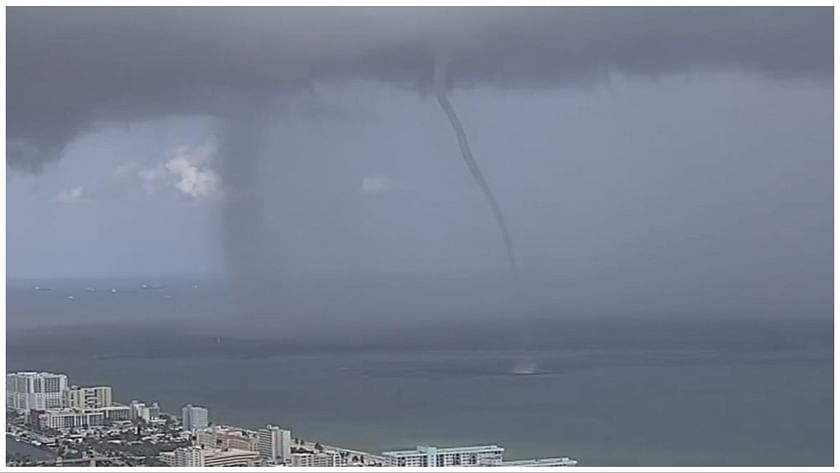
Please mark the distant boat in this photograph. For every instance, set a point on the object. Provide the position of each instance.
(70, 298)
(91, 289)
(40, 289)
(151, 286)
(113, 290)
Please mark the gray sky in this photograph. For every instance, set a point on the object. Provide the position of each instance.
(679, 155)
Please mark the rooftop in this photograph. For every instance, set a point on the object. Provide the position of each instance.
(558, 461)
(423, 449)
(210, 453)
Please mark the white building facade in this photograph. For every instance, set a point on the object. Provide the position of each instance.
(428, 456)
(189, 457)
(88, 397)
(63, 419)
(319, 459)
(194, 417)
(27, 390)
(139, 410)
(275, 444)
(116, 413)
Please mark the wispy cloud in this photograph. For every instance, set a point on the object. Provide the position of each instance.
(76, 195)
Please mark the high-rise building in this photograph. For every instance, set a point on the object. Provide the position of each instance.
(88, 397)
(152, 413)
(27, 390)
(140, 411)
(484, 455)
(275, 444)
(194, 417)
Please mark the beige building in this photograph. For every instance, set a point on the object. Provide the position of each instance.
(230, 457)
(184, 457)
(221, 437)
(88, 397)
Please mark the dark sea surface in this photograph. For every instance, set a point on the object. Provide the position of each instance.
(14, 446)
(609, 390)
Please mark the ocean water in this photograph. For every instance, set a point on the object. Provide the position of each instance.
(13, 446)
(643, 390)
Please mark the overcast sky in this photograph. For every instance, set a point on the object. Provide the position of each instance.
(676, 151)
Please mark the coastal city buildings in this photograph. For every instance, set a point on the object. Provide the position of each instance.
(275, 444)
(28, 390)
(72, 418)
(88, 398)
(428, 456)
(51, 402)
(86, 422)
(194, 417)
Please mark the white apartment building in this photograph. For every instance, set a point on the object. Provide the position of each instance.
(194, 417)
(61, 419)
(168, 458)
(428, 456)
(184, 457)
(139, 410)
(318, 459)
(275, 444)
(116, 412)
(27, 390)
(88, 397)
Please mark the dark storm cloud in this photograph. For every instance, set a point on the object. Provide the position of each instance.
(71, 70)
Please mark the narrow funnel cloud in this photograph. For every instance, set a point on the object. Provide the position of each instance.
(469, 160)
